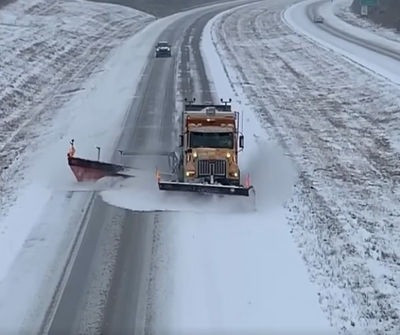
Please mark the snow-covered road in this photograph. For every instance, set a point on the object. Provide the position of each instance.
(241, 272)
(230, 271)
(339, 123)
(217, 271)
(370, 51)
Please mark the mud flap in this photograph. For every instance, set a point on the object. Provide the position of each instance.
(204, 188)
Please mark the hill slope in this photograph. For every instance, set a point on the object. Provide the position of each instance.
(158, 8)
(387, 13)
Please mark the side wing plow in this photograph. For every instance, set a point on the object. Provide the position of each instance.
(91, 170)
(86, 170)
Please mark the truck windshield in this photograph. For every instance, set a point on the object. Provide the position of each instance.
(211, 140)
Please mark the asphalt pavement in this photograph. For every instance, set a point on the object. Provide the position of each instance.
(105, 290)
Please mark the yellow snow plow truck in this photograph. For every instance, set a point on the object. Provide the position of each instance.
(208, 160)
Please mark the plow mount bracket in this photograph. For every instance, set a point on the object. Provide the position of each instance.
(173, 160)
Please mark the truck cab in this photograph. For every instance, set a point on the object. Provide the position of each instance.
(210, 143)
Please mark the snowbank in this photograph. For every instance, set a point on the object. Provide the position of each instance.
(339, 123)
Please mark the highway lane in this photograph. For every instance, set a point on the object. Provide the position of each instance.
(105, 290)
(190, 51)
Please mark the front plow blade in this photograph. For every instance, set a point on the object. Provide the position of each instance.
(204, 188)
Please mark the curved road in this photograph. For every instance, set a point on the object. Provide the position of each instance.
(314, 9)
(105, 287)
(362, 47)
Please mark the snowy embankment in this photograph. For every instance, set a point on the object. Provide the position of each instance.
(342, 9)
(55, 85)
(340, 124)
(48, 51)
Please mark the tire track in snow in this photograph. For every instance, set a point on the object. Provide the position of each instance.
(211, 279)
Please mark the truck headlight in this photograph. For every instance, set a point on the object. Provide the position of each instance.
(228, 155)
(234, 174)
(195, 154)
(189, 173)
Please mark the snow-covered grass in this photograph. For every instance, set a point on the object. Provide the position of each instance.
(49, 51)
(342, 9)
(340, 125)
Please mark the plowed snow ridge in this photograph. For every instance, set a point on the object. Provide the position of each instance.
(341, 126)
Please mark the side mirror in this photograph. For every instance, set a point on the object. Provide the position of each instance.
(241, 141)
(180, 141)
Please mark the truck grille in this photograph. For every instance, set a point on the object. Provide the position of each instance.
(206, 167)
